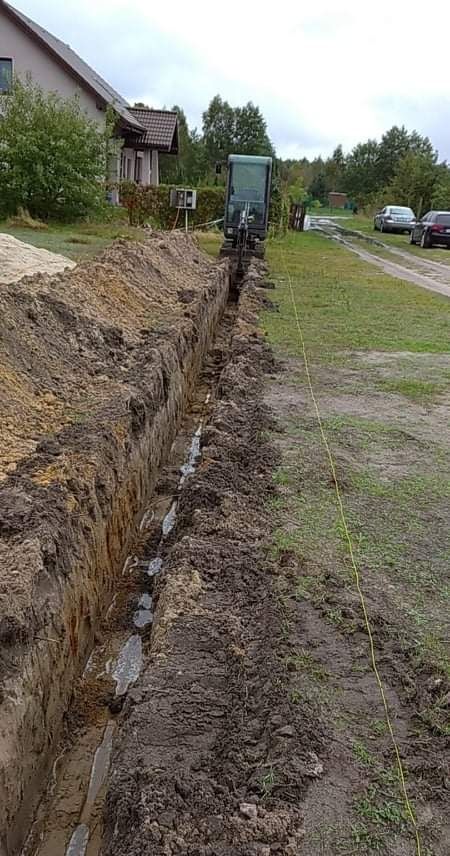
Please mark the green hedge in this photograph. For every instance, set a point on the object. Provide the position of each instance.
(151, 204)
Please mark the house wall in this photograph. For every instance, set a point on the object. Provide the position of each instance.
(149, 165)
(29, 57)
(337, 200)
(154, 174)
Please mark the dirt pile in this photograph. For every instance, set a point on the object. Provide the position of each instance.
(18, 259)
(95, 367)
(205, 762)
(71, 343)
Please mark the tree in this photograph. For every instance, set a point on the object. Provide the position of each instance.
(190, 166)
(53, 157)
(361, 171)
(239, 130)
(218, 130)
(250, 132)
(318, 188)
(414, 182)
(394, 145)
(334, 170)
(440, 199)
(297, 192)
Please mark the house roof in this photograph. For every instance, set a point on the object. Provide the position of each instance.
(74, 65)
(161, 128)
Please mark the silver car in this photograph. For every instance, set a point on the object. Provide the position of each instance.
(394, 218)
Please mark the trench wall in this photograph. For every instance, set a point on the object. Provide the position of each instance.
(93, 496)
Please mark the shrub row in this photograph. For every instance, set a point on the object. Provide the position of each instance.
(152, 204)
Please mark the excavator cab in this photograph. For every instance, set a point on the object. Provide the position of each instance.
(246, 207)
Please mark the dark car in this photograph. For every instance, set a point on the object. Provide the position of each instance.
(394, 218)
(432, 229)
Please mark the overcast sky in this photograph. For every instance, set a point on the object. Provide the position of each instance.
(323, 73)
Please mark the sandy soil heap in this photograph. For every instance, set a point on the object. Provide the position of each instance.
(18, 259)
(70, 343)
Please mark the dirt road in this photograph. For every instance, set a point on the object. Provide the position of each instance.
(425, 272)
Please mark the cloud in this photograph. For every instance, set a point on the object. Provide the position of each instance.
(322, 75)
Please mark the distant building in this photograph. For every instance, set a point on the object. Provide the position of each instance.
(26, 48)
(337, 200)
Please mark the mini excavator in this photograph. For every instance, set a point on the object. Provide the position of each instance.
(246, 210)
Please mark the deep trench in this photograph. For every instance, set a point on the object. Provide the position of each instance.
(69, 816)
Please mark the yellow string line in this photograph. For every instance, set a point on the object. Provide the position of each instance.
(356, 572)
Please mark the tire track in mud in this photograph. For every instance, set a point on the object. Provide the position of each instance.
(392, 268)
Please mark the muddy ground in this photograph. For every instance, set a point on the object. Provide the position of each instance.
(258, 725)
(72, 343)
(213, 757)
(396, 496)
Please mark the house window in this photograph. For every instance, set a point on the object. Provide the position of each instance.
(6, 70)
(125, 167)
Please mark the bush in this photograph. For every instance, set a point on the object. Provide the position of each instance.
(279, 208)
(152, 204)
(53, 158)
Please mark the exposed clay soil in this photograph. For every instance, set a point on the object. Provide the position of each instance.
(75, 351)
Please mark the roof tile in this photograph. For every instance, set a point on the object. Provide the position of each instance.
(160, 128)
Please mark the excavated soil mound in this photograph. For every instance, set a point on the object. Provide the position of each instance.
(95, 368)
(18, 259)
(73, 342)
(74, 350)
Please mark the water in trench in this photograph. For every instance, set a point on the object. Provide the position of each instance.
(69, 819)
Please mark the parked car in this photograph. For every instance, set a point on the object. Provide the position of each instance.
(432, 229)
(394, 218)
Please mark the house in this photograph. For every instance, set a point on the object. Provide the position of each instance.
(27, 49)
(337, 200)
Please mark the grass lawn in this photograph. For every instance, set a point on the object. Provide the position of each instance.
(347, 304)
(210, 242)
(78, 241)
(379, 355)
